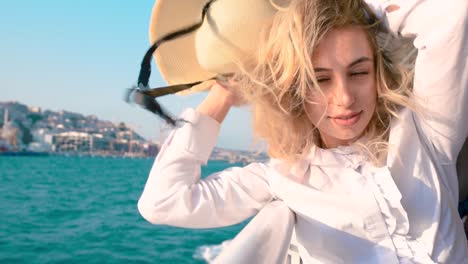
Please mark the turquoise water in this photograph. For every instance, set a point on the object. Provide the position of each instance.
(83, 210)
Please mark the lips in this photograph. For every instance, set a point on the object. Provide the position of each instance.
(347, 119)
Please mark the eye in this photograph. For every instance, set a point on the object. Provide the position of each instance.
(359, 74)
(323, 79)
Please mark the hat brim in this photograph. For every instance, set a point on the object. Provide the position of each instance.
(176, 59)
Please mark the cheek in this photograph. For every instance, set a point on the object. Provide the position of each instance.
(368, 95)
(315, 112)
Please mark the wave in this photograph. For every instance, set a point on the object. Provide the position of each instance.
(209, 252)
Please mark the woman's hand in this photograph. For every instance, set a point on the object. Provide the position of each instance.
(218, 102)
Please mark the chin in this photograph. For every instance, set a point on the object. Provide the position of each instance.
(349, 136)
(341, 136)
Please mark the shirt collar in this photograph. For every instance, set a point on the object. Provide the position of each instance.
(342, 156)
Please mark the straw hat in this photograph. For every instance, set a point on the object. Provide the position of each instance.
(229, 34)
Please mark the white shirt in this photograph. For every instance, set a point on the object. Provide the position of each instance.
(347, 210)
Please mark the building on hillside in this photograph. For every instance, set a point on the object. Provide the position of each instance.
(34, 109)
(101, 143)
(9, 134)
(151, 149)
(72, 142)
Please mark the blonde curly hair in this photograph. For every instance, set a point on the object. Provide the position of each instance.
(276, 82)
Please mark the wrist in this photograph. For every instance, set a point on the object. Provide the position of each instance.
(215, 107)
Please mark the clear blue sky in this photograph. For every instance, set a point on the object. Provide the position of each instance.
(81, 55)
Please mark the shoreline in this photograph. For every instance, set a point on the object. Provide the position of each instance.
(68, 154)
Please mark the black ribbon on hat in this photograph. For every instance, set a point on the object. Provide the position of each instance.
(145, 96)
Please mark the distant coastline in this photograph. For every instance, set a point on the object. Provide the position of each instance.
(32, 131)
(24, 153)
(64, 154)
(232, 158)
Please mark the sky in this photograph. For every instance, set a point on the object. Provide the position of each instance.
(80, 56)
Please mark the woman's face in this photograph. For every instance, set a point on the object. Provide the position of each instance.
(344, 67)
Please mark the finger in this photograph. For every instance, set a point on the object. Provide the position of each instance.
(392, 8)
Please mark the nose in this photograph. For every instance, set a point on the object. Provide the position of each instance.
(342, 93)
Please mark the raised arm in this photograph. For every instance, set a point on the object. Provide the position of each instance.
(441, 75)
(175, 195)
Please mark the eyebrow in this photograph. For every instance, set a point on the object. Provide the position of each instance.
(357, 61)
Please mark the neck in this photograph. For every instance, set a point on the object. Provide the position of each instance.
(334, 143)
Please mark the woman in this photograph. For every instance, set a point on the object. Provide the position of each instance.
(362, 153)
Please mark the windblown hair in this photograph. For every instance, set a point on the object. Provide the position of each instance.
(276, 84)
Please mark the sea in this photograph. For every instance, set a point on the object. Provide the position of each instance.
(58, 209)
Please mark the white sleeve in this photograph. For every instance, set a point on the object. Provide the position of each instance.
(175, 195)
(440, 33)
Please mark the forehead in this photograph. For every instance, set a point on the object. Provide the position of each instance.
(341, 46)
